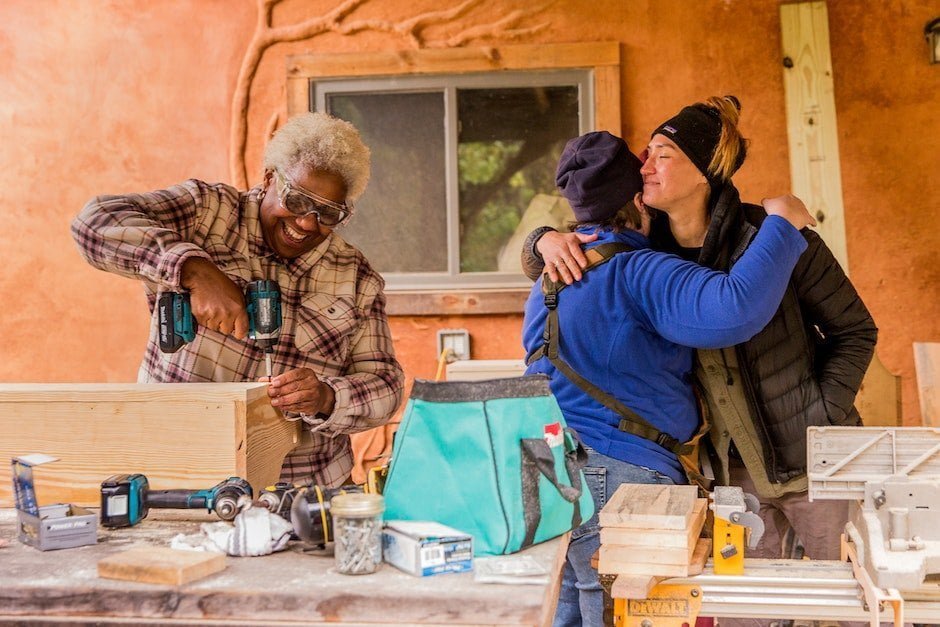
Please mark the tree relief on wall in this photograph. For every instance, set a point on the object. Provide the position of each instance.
(341, 20)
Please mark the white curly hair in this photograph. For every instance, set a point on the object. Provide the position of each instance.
(319, 141)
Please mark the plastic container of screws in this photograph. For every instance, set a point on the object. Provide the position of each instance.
(357, 529)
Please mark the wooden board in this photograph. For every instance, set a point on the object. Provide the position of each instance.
(161, 565)
(927, 366)
(647, 554)
(629, 568)
(185, 435)
(666, 538)
(879, 398)
(815, 171)
(625, 587)
(650, 506)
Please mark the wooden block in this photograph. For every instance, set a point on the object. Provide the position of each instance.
(633, 587)
(161, 565)
(636, 569)
(180, 435)
(650, 506)
(647, 554)
(661, 538)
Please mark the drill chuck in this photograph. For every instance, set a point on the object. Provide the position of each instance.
(263, 299)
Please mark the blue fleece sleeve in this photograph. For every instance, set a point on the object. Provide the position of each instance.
(695, 306)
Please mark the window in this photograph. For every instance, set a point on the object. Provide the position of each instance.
(464, 148)
(456, 163)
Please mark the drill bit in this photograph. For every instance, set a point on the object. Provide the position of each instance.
(267, 365)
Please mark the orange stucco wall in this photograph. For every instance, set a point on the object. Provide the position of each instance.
(108, 96)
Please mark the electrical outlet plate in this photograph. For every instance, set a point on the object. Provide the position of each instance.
(456, 340)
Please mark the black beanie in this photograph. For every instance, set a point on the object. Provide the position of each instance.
(598, 175)
(696, 131)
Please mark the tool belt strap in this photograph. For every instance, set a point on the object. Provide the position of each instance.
(630, 421)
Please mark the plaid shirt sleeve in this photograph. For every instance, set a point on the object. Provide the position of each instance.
(142, 236)
(372, 386)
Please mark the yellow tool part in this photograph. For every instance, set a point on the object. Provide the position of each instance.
(728, 547)
(668, 605)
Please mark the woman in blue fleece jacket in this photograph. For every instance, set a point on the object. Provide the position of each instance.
(630, 326)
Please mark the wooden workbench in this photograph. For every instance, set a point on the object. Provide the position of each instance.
(290, 587)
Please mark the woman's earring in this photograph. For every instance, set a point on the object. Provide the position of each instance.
(261, 195)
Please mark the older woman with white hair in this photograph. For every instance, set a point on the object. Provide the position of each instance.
(334, 364)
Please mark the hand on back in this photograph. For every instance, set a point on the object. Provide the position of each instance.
(217, 302)
(791, 209)
(562, 252)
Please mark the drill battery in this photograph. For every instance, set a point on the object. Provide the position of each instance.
(123, 500)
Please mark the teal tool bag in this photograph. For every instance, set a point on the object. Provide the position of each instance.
(490, 458)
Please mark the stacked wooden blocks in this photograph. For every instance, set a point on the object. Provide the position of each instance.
(651, 532)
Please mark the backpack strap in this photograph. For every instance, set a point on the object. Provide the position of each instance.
(630, 421)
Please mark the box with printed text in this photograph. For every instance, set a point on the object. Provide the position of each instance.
(426, 548)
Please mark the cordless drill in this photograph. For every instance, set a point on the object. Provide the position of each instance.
(175, 320)
(263, 302)
(127, 499)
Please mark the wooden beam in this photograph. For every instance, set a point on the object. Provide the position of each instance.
(927, 366)
(186, 435)
(454, 60)
(815, 173)
(463, 303)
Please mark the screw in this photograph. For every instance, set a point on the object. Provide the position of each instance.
(695, 593)
(787, 62)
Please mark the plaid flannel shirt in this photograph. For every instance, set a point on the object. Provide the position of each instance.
(333, 308)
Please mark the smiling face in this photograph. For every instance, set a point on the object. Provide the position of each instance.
(289, 235)
(670, 179)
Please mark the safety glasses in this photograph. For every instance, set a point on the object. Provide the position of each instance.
(302, 202)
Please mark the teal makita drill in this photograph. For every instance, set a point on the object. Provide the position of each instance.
(127, 499)
(263, 303)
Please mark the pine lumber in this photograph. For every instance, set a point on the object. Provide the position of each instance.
(625, 587)
(662, 538)
(609, 566)
(650, 506)
(180, 435)
(161, 565)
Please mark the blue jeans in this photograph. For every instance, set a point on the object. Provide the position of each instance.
(581, 600)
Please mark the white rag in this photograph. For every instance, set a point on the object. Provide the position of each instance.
(256, 532)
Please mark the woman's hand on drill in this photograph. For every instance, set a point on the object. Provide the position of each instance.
(301, 391)
(217, 302)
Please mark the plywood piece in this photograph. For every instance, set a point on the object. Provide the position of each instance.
(665, 538)
(815, 172)
(879, 397)
(650, 506)
(161, 565)
(927, 366)
(186, 435)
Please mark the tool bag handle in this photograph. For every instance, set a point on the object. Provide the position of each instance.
(537, 460)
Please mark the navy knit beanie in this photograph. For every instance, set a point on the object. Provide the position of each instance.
(696, 131)
(598, 175)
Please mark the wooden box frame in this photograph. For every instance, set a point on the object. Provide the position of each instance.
(180, 435)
